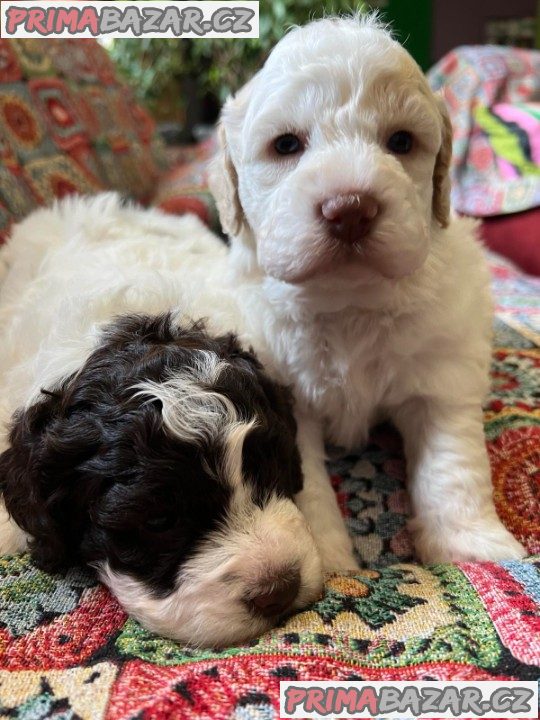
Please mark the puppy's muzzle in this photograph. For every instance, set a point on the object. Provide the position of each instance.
(349, 217)
(277, 597)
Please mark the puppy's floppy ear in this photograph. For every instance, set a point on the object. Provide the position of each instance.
(270, 450)
(35, 493)
(223, 181)
(441, 174)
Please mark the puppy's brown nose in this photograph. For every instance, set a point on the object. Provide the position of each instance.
(349, 217)
(278, 597)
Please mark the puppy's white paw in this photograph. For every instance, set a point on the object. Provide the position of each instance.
(337, 555)
(485, 539)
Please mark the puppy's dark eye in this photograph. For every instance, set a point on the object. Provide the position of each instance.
(288, 144)
(160, 523)
(400, 143)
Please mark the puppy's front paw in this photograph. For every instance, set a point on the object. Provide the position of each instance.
(484, 539)
(337, 555)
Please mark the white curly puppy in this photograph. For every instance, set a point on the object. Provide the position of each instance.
(346, 273)
(369, 296)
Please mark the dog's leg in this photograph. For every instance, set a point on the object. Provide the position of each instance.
(318, 503)
(450, 484)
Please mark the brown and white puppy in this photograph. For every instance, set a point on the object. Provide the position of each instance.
(168, 462)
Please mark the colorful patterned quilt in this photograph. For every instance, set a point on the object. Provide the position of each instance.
(490, 92)
(67, 650)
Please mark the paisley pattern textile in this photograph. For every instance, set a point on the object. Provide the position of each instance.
(69, 125)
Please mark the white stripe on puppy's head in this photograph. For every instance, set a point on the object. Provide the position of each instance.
(193, 412)
(190, 410)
